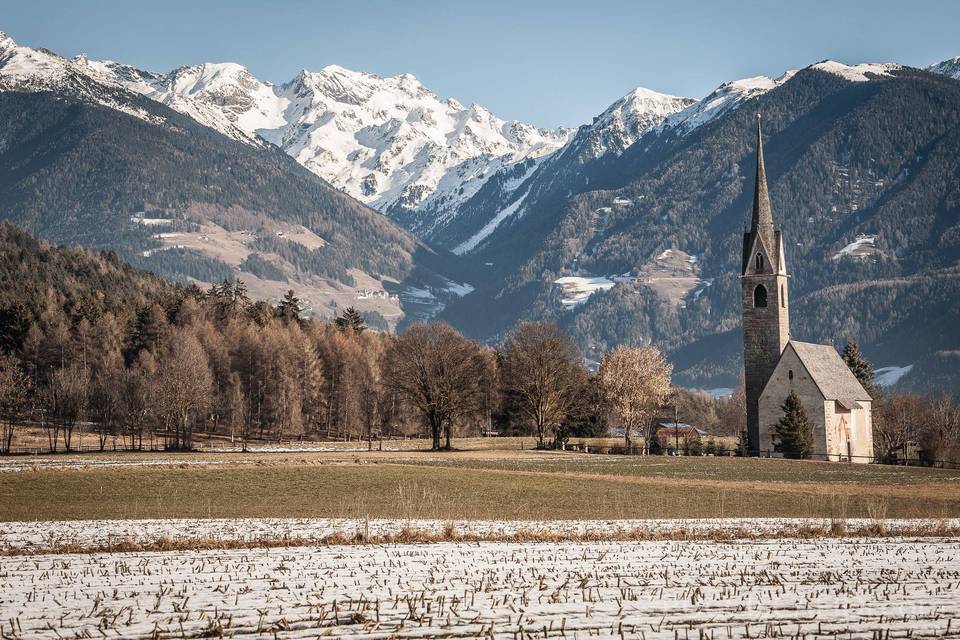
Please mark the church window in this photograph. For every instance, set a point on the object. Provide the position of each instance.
(790, 374)
(759, 262)
(760, 296)
(783, 296)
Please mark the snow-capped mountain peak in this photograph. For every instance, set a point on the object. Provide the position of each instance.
(949, 68)
(624, 121)
(388, 141)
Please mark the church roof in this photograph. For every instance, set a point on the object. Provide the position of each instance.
(829, 372)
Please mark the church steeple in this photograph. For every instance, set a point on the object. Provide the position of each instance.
(762, 222)
(763, 288)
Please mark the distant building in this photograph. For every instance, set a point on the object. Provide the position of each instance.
(838, 406)
(677, 435)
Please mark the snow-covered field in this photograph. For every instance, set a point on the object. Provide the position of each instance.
(860, 588)
(39, 537)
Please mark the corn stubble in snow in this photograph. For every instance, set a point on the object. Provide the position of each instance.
(864, 588)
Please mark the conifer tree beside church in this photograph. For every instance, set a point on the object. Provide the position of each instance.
(859, 365)
(793, 435)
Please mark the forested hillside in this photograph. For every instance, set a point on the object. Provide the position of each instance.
(865, 182)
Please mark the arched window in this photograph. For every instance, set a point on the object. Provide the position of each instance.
(790, 374)
(760, 296)
(783, 296)
(759, 262)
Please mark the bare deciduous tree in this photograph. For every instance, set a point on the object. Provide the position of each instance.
(898, 420)
(441, 374)
(635, 381)
(14, 384)
(67, 400)
(543, 370)
(185, 385)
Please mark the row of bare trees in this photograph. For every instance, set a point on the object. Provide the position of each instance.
(217, 363)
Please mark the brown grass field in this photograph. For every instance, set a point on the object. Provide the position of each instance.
(475, 484)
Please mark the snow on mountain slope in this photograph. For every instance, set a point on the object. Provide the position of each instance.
(392, 143)
(856, 72)
(730, 95)
(611, 132)
(628, 118)
(107, 83)
(724, 98)
(388, 142)
(224, 96)
(949, 68)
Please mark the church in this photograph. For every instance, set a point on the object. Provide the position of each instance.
(837, 405)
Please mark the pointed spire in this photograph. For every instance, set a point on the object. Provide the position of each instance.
(762, 223)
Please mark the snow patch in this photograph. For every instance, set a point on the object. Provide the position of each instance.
(578, 289)
(458, 289)
(857, 72)
(858, 247)
(889, 376)
(471, 243)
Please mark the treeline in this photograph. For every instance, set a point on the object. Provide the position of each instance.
(215, 362)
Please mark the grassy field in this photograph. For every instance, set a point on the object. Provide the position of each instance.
(509, 484)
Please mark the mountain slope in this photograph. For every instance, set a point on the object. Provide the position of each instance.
(85, 161)
(864, 184)
(509, 193)
(388, 142)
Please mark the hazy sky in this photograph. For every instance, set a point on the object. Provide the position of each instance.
(547, 62)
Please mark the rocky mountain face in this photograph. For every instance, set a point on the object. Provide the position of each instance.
(642, 246)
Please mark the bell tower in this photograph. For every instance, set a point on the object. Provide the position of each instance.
(763, 288)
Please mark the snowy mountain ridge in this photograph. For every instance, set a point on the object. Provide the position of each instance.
(389, 142)
(392, 143)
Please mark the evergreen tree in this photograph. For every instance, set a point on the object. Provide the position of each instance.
(350, 320)
(793, 435)
(289, 308)
(859, 365)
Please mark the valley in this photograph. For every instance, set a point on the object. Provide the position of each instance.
(503, 221)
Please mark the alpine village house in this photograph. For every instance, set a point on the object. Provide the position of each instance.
(836, 404)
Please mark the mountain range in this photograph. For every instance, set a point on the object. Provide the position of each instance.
(621, 231)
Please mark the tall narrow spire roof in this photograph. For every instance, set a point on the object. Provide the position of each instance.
(762, 223)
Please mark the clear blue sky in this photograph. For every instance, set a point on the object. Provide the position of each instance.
(547, 62)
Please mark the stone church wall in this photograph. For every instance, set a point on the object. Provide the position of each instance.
(777, 390)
